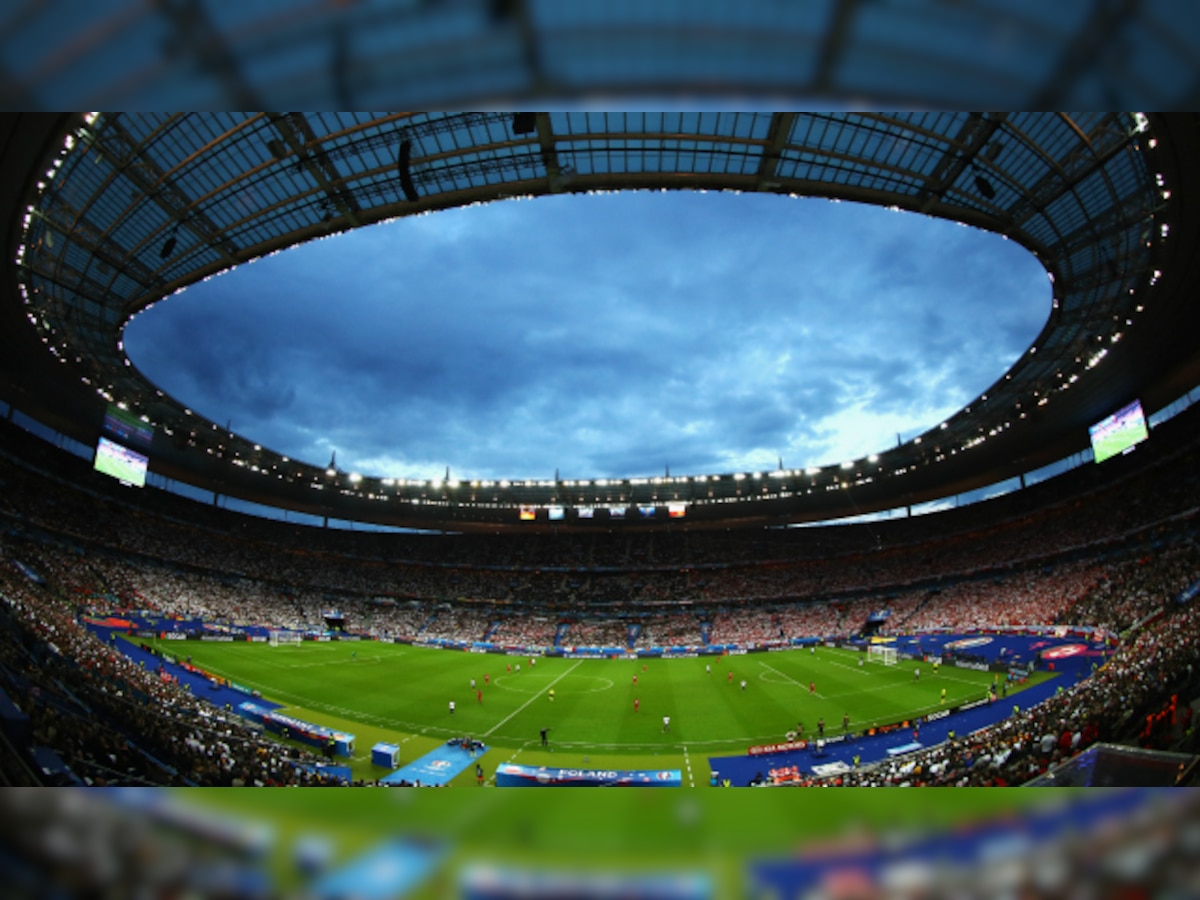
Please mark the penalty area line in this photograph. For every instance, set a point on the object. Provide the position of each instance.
(791, 679)
(521, 708)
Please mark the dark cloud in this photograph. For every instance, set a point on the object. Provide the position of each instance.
(601, 336)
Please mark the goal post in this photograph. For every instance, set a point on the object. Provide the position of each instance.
(882, 653)
(279, 638)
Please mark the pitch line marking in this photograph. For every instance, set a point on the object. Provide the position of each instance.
(861, 671)
(816, 694)
(331, 662)
(521, 708)
(492, 780)
(607, 686)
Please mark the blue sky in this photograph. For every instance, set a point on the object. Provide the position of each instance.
(602, 336)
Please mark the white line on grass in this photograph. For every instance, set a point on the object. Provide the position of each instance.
(531, 699)
(851, 668)
(492, 780)
(791, 679)
(332, 662)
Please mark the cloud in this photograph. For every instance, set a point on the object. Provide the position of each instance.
(602, 336)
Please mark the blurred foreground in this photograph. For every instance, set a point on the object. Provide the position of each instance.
(150, 843)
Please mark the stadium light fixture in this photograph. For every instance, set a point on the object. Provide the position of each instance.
(524, 123)
(403, 160)
(171, 242)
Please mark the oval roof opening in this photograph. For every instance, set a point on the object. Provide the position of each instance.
(604, 336)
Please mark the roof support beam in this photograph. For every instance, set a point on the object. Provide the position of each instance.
(299, 136)
(836, 39)
(556, 176)
(964, 147)
(777, 136)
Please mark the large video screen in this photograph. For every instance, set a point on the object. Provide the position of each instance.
(1118, 432)
(126, 427)
(123, 464)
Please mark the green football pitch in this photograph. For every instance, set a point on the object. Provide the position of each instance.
(401, 694)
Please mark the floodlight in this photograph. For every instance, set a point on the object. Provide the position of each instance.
(402, 164)
(169, 244)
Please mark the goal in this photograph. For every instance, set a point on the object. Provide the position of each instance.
(881, 653)
(277, 638)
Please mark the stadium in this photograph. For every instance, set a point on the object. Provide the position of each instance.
(618, 627)
(1104, 548)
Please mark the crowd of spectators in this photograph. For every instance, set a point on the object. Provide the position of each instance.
(1150, 675)
(597, 633)
(528, 630)
(113, 722)
(1112, 556)
(457, 623)
(1014, 598)
(565, 571)
(678, 629)
(1136, 587)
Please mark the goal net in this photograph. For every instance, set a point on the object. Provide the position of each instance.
(881, 653)
(278, 638)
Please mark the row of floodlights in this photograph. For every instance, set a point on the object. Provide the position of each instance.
(452, 483)
(354, 478)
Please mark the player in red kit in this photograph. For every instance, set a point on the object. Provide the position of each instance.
(486, 678)
(812, 687)
(729, 676)
(479, 696)
(636, 703)
(635, 679)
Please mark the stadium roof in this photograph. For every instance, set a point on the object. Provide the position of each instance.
(318, 54)
(107, 214)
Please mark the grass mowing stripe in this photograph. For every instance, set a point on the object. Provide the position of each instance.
(531, 699)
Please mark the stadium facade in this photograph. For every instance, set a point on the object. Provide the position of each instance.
(107, 214)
